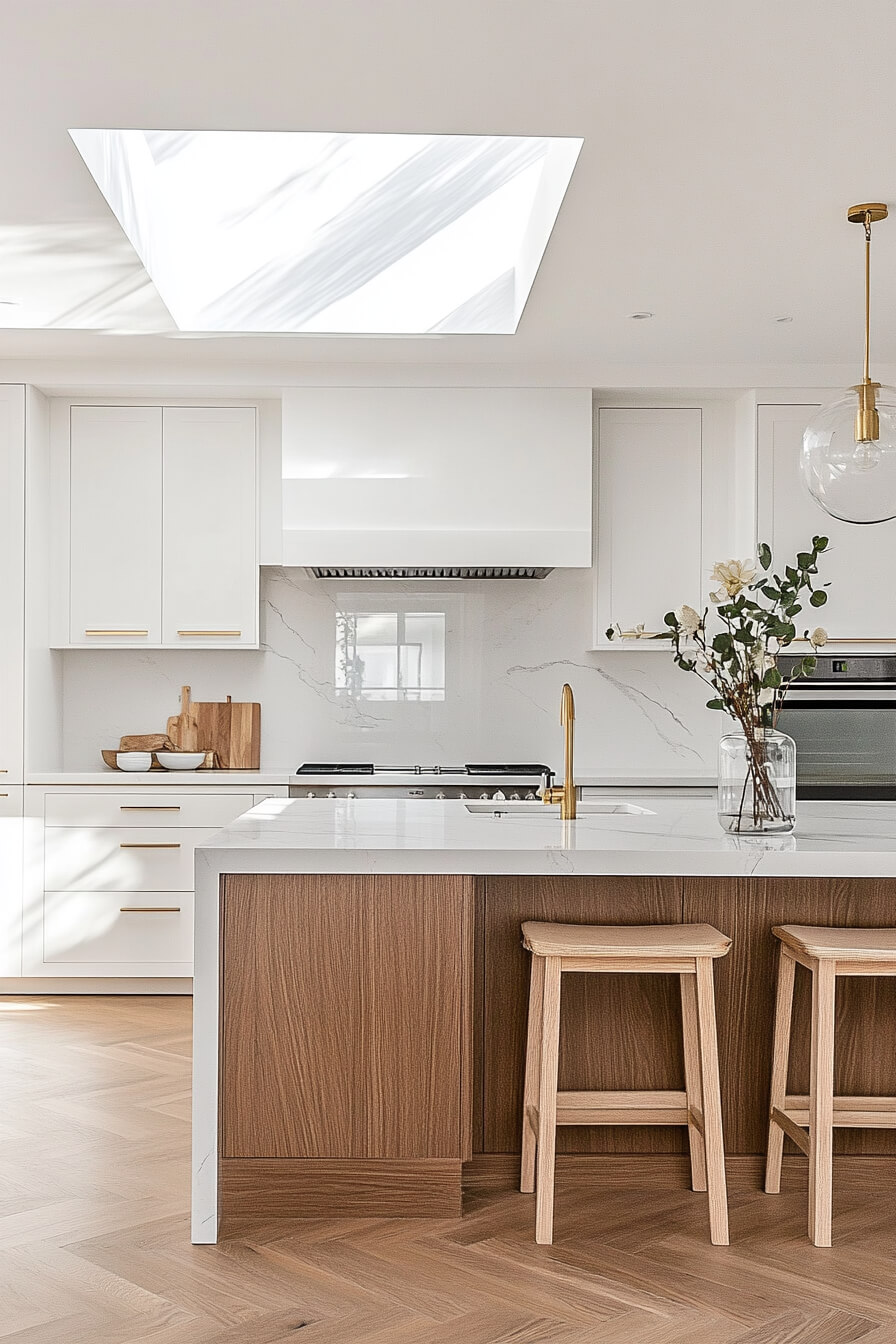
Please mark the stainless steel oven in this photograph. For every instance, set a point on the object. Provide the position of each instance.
(843, 720)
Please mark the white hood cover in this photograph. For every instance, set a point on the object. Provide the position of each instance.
(437, 478)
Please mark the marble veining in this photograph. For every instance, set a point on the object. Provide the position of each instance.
(509, 646)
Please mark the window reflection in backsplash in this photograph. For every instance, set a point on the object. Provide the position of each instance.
(390, 655)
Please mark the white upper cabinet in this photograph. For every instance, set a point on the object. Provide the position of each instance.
(209, 544)
(861, 606)
(12, 581)
(115, 539)
(650, 518)
(156, 512)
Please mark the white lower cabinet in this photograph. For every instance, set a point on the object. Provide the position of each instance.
(110, 878)
(110, 929)
(11, 880)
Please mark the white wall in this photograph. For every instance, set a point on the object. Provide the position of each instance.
(510, 646)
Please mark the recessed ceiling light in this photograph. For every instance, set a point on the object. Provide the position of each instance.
(640, 317)
(783, 319)
(288, 231)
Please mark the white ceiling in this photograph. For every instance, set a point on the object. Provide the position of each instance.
(723, 143)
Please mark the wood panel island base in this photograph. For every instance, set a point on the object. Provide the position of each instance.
(360, 1035)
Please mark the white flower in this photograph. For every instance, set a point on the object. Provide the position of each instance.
(762, 660)
(818, 637)
(733, 575)
(689, 620)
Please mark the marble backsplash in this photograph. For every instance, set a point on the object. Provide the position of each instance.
(508, 647)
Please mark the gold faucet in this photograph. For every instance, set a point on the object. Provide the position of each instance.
(565, 794)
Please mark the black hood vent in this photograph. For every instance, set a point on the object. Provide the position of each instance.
(428, 572)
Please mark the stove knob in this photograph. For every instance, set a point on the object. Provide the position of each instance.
(462, 796)
(484, 797)
(440, 795)
(331, 794)
(351, 795)
(499, 796)
(514, 797)
(531, 797)
(310, 793)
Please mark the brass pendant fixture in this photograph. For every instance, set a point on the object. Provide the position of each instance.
(849, 449)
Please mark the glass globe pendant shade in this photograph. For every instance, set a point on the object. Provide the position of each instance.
(852, 479)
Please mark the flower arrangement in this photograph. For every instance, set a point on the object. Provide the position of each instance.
(756, 610)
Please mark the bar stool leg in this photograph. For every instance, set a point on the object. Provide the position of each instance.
(547, 1102)
(821, 1103)
(533, 1067)
(712, 1104)
(692, 1077)
(780, 1062)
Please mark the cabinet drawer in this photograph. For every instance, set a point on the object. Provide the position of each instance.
(134, 926)
(161, 808)
(107, 859)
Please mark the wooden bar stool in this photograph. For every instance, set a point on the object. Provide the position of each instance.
(827, 953)
(685, 950)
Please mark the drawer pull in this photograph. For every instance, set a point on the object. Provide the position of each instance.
(4, 795)
(148, 844)
(193, 634)
(149, 909)
(149, 807)
(128, 633)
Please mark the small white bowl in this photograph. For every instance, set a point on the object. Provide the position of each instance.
(133, 760)
(180, 760)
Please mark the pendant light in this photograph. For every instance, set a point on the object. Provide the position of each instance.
(849, 448)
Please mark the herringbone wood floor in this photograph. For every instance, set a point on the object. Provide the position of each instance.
(94, 1233)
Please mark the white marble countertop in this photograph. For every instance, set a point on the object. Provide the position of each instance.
(674, 835)
(160, 778)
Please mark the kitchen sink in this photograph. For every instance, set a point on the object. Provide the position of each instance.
(608, 808)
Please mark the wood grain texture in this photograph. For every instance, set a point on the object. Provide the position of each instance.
(95, 1228)
(329, 1187)
(865, 1024)
(617, 1033)
(347, 1017)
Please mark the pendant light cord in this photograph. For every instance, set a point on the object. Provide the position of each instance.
(867, 378)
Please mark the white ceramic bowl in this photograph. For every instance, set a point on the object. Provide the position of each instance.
(133, 760)
(180, 760)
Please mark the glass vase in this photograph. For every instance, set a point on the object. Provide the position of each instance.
(757, 782)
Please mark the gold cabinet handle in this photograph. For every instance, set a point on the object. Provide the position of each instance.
(149, 909)
(149, 807)
(4, 795)
(195, 634)
(147, 844)
(128, 633)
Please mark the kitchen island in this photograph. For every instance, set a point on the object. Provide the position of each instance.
(360, 990)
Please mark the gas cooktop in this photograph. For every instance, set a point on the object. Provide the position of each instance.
(345, 768)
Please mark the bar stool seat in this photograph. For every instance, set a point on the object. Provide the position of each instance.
(686, 950)
(810, 1120)
(621, 940)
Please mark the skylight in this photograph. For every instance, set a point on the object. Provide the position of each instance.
(288, 231)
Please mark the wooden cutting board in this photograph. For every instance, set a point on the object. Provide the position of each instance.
(229, 728)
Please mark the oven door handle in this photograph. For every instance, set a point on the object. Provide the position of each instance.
(846, 697)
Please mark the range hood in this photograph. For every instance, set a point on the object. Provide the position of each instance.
(447, 482)
(427, 572)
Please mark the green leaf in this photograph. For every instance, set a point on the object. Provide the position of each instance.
(818, 598)
(820, 543)
(671, 619)
(722, 643)
(764, 555)
(771, 593)
(610, 632)
(715, 704)
(772, 678)
(804, 559)
(807, 667)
